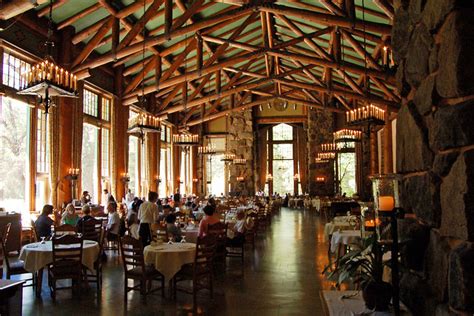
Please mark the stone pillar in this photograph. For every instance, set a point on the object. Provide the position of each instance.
(241, 143)
(433, 46)
(320, 129)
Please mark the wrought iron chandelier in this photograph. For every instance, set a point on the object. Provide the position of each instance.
(47, 79)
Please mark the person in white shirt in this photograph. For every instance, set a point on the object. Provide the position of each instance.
(133, 226)
(113, 223)
(147, 213)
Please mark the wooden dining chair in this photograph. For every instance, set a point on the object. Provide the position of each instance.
(158, 231)
(91, 229)
(34, 231)
(16, 267)
(219, 231)
(200, 271)
(64, 229)
(251, 228)
(96, 275)
(135, 268)
(67, 262)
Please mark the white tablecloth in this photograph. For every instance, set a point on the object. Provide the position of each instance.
(316, 203)
(344, 237)
(168, 259)
(338, 223)
(354, 305)
(37, 255)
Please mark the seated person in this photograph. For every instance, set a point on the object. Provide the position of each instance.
(70, 217)
(113, 223)
(238, 230)
(86, 198)
(210, 218)
(172, 230)
(162, 216)
(133, 226)
(43, 222)
(86, 210)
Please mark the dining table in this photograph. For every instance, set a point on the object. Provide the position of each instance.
(168, 258)
(36, 256)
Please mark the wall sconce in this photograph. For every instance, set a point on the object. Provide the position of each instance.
(296, 177)
(195, 180)
(125, 177)
(269, 177)
(320, 179)
(73, 173)
(240, 179)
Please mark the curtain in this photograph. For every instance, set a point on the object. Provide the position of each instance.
(54, 153)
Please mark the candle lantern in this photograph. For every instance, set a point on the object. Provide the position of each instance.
(386, 192)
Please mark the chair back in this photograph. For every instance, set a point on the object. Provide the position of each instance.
(91, 229)
(4, 239)
(35, 232)
(158, 231)
(205, 251)
(67, 254)
(218, 230)
(65, 229)
(132, 253)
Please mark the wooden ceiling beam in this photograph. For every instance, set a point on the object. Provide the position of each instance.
(361, 50)
(326, 19)
(334, 9)
(386, 7)
(45, 11)
(157, 40)
(140, 24)
(79, 16)
(187, 14)
(95, 40)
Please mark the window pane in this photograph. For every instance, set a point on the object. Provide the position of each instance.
(168, 134)
(162, 190)
(105, 109)
(282, 151)
(143, 169)
(163, 134)
(42, 156)
(283, 181)
(89, 167)
(133, 164)
(14, 157)
(283, 132)
(216, 175)
(105, 153)
(12, 69)
(91, 103)
(346, 164)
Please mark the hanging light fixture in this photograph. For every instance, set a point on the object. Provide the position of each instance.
(208, 149)
(143, 123)
(366, 113)
(47, 79)
(185, 138)
(239, 161)
(326, 156)
(347, 135)
(327, 147)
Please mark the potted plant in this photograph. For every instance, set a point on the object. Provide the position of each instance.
(363, 265)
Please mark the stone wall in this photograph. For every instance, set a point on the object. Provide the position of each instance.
(433, 42)
(320, 129)
(241, 143)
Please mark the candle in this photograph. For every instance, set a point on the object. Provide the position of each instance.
(386, 203)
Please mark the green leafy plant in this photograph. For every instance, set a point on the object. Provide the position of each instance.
(362, 264)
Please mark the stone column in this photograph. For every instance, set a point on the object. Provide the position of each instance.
(433, 47)
(241, 142)
(320, 129)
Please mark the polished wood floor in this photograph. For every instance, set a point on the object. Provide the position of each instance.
(282, 276)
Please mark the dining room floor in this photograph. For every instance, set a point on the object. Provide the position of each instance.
(282, 276)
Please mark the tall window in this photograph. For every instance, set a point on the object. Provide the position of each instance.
(215, 168)
(43, 190)
(133, 165)
(95, 167)
(166, 170)
(346, 164)
(13, 68)
(14, 155)
(185, 177)
(281, 162)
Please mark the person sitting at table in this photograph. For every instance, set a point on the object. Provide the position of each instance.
(70, 217)
(133, 226)
(113, 222)
(177, 198)
(86, 198)
(209, 219)
(147, 215)
(172, 230)
(43, 222)
(162, 216)
(86, 210)
(238, 230)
